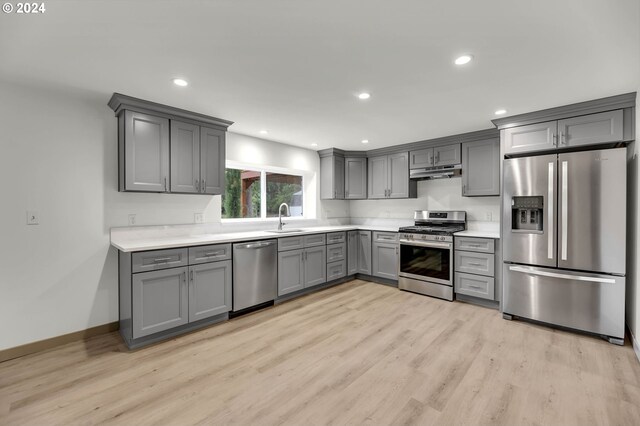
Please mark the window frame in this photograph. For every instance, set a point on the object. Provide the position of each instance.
(263, 192)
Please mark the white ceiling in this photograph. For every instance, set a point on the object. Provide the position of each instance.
(294, 66)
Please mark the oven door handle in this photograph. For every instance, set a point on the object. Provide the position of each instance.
(419, 244)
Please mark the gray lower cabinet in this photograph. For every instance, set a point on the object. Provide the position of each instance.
(475, 267)
(210, 290)
(143, 150)
(332, 184)
(364, 252)
(355, 178)
(388, 177)
(353, 241)
(385, 260)
(302, 262)
(315, 266)
(481, 168)
(290, 271)
(160, 301)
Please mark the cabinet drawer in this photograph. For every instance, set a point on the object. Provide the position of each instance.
(385, 237)
(314, 240)
(290, 243)
(213, 253)
(336, 237)
(158, 259)
(336, 252)
(484, 245)
(336, 270)
(475, 263)
(474, 285)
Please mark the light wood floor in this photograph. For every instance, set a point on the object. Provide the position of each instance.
(358, 353)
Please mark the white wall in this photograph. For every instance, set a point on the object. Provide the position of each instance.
(439, 194)
(59, 157)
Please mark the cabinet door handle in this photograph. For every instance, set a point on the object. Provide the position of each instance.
(563, 139)
(396, 250)
(214, 253)
(191, 275)
(555, 139)
(184, 276)
(162, 260)
(197, 185)
(165, 184)
(437, 157)
(203, 187)
(464, 189)
(475, 264)
(346, 194)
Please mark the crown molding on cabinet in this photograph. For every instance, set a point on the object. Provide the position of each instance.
(627, 100)
(120, 102)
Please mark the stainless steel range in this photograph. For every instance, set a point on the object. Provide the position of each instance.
(426, 253)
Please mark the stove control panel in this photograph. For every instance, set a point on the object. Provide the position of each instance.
(426, 237)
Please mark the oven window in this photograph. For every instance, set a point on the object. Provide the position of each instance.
(428, 262)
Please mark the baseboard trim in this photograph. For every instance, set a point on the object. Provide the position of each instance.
(42, 345)
(634, 344)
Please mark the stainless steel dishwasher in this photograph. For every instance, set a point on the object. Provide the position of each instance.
(255, 273)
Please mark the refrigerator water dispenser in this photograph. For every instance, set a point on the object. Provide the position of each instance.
(527, 214)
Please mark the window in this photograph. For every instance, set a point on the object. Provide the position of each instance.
(254, 193)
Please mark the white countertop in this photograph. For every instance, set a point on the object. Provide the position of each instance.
(139, 241)
(479, 234)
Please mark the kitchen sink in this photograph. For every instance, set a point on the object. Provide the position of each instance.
(284, 231)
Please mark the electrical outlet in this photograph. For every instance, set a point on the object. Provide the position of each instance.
(32, 217)
(198, 217)
(132, 219)
(487, 216)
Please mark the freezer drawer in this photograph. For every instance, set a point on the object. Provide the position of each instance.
(582, 301)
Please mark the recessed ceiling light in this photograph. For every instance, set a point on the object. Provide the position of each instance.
(264, 132)
(364, 95)
(180, 82)
(500, 112)
(314, 144)
(464, 59)
(365, 141)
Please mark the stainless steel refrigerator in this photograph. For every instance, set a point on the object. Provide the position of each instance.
(564, 231)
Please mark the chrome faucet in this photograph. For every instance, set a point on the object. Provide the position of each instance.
(280, 215)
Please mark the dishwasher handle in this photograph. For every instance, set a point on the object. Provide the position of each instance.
(254, 245)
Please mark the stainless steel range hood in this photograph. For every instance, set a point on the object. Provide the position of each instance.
(436, 172)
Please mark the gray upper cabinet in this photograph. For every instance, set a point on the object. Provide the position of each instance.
(447, 155)
(197, 159)
(355, 177)
(398, 175)
(531, 138)
(481, 168)
(421, 158)
(389, 177)
(143, 152)
(332, 169)
(604, 127)
(209, 290)
(591, 129)
(185, 157)
(212, 160)
(166, 149)
(378, 171)
(364, 252)
(160, 301)
(352, 252)
(315, 266)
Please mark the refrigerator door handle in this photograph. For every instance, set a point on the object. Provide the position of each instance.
(565, 207)
(532, 271)
(550, 213)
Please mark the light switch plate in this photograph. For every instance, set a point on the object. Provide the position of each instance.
(132, 219)
(198, 217)
(32, 217)
(487, 216)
